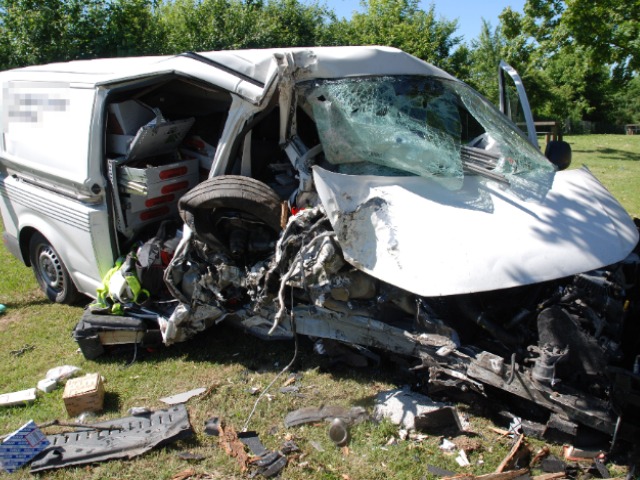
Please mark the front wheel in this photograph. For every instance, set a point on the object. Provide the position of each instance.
(50, 271)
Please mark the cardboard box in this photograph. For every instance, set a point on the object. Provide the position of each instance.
(21, 446)
(84, 394)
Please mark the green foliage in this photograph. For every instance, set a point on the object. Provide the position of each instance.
(401, 24)
(610, 28)
(61, 30)
(485, 56)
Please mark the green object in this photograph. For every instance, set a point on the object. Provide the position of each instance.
(2, 309)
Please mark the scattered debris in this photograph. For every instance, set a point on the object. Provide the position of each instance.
(599, 468)
(138, 411)
(549, 476)
(542, 453)
(327, 413)
(447, 446)
(510, 459)
(184, 474)
(123, 438)
(192, 457)
(21, 351)
(182, 397)
(440, 472)
(47, 385)
(552, 464)
(265, 462)
(62, 373)
(443, 421)
(212, 427)
(403, 407)
(19, 447)
(462, 459)
(233, 446)
(490, 476)
(293, 378)
(18, 398)
(574, 454)
(84, 394)
(339, 432)
(293, 389)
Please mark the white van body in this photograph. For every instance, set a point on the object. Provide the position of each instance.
(53, 158)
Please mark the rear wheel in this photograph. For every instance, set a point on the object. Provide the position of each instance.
(50, 271)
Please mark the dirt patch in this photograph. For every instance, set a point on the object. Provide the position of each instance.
(467, 444)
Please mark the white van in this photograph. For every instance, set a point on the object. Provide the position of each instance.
(351, 194)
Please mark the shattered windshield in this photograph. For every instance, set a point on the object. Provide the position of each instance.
(427, 126)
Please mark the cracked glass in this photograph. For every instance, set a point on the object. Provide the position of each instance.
(426, 126)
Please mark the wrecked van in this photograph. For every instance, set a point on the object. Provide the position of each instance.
(355, 195)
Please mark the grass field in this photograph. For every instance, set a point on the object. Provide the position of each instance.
(230, 364)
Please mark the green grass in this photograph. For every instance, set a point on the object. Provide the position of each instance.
(231, 363)
(615, 160)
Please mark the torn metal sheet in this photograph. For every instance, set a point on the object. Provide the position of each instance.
(127, 438)
(506, 243)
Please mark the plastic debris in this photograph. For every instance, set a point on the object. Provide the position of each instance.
(402, 406)
(62, 372)
(447, 446)
(18, 398)
(47, 385)
(462, 459)
(182, 397)
(118, 438)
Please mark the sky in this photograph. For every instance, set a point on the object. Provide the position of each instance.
(469, 13)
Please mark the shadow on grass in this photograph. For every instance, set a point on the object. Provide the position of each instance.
(611, 154)
(225, 345)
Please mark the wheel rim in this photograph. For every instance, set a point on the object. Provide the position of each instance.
(50, 268)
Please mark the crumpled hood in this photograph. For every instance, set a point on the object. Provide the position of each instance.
(414, 234)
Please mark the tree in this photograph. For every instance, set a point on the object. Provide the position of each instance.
(202, 25)
(610, 28)
(570, 79)
(45, 31)
(401, 24)
(486, 52)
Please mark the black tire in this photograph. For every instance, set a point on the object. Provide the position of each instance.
(244, 194)
(51, 273)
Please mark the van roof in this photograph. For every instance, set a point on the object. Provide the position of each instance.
(243, 71)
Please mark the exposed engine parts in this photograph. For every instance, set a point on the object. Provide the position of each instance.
(560, 344)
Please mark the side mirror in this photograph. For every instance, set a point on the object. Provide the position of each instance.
(558, 153)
